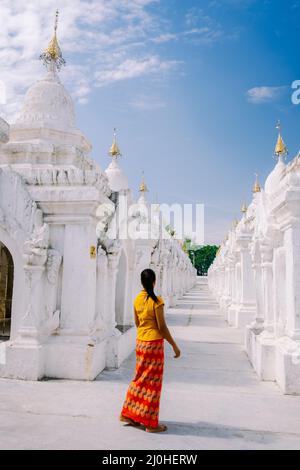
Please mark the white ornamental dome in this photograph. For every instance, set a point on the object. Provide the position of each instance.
(274, 178)
(47, 104)
(116, 179)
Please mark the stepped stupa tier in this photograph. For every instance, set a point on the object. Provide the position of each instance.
(46, 122)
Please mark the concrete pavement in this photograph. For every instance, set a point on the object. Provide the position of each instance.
(211, 398)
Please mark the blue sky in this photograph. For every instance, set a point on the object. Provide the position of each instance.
(194, 88)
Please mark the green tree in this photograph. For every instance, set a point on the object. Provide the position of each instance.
(203, 257)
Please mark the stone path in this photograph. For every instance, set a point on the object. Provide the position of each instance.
(211, 399)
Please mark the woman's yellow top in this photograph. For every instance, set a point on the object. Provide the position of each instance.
(144, 308)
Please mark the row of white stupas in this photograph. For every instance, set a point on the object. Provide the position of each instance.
(72, 283)
(256, 274)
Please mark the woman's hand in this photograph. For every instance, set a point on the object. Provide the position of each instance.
(176, 351)
(164, 330)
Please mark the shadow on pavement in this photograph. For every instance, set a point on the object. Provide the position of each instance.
(203, 429)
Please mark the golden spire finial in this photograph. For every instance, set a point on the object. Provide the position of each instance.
(143, 187)
(114, 150)
(256, 188)
(235, 223)
(244, 208)
(280, 148)
(53, 54)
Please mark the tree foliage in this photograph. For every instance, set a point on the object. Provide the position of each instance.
(203, 257)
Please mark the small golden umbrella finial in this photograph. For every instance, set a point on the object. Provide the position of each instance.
(53, 54)
(143, 187)
(114, 150)
(280, 148)
(256, 188)
(244, 208)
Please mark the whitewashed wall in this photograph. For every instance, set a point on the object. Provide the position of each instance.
(256, 277)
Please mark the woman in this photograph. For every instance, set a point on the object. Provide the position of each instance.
(141, 406)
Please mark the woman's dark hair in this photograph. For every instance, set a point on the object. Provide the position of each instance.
(148, 279)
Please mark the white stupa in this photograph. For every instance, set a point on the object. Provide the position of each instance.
(116, 178)
(48, 113)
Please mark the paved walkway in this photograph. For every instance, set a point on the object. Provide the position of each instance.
(211, 399)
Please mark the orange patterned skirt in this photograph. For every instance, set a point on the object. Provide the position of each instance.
(143, 394)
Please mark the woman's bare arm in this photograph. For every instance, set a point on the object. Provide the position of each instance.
(164, 330)
(136, 319)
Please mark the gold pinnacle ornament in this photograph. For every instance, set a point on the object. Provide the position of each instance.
(114, 150)
(143, 187)
(244, 208)
(256, 188)
(280, 148)
(53, 52)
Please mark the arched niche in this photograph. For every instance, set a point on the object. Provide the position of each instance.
(6, 291)
(16, 284)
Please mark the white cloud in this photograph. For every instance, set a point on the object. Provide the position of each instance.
(165, 38)
(196, 15)
(264, 94)
(203, 35)
(132, 68)
(240, 4)
(103, 42)
(147, 103)
(204, 28)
